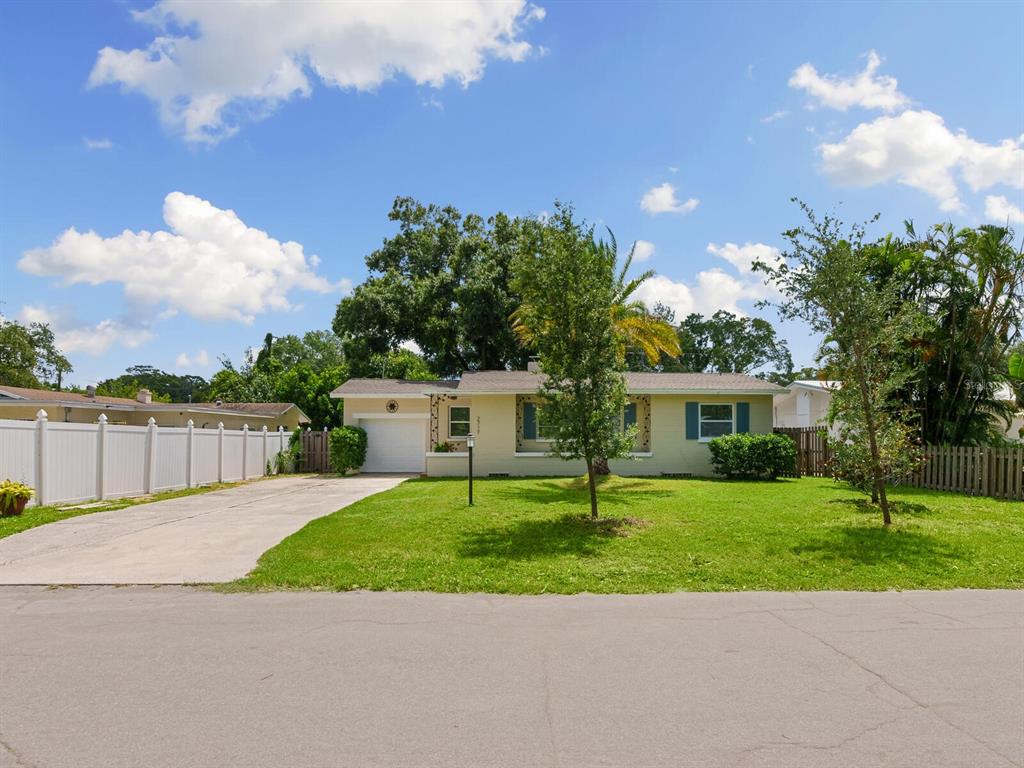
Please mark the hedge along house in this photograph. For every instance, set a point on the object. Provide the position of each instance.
(421, 426)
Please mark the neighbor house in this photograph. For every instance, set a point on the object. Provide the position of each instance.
(421, 426)
(806, 404)
(22, 403)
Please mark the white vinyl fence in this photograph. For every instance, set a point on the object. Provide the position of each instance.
(68, 463)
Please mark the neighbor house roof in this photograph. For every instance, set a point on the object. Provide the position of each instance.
(392, 388)
(525, 382)
(815, 384)
(43, 397)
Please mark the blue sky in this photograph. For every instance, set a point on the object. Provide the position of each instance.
(308, 124)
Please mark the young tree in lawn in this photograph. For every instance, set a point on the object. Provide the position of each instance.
(825, 279)
(567, 281)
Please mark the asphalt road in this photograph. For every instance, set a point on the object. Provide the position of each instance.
(170, 676)
(205, 538)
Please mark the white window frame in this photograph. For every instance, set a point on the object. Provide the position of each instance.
(467, 421)
(700, 421)
(537, 409)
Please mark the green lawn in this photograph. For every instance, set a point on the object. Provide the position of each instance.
(35, 516)
(530, 536)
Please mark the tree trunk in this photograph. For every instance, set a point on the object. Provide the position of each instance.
(876, 464)
(601, 466)
(592, 479)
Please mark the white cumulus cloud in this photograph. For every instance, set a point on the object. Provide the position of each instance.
(866, 89)
(743, 256)
(211, 66)
(72, 337)
(209, 265)
(1001, 211)
(662, 199)
(715, 288)
(200, 359)
(915, 148)
(643, 250)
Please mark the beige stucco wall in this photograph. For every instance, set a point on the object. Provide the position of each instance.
(139, 418)
(494, 425)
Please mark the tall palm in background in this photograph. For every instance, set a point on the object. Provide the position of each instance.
(635, 326)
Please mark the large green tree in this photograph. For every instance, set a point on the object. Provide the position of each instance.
(288, 369)
(826, 279)
(443, 282)
(568, 283)
(729, 343)
(29, 356)
(167, 387)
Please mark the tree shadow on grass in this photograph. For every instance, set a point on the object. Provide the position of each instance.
(897, 507)
(878, 545)
(569, 534)
(576, 491)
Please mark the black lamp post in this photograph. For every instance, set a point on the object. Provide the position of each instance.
(469, 444)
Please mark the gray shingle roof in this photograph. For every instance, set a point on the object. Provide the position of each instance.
(496, 382)
(391, 387)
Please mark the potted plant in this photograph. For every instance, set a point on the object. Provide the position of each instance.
(13, 497)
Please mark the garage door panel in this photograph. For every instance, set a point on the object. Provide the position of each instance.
(395, 445)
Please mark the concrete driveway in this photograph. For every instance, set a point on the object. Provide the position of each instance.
(98, 677)
(209, 537)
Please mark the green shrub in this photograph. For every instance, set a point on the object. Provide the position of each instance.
(444, 447)
(348, 448)
(753, 456)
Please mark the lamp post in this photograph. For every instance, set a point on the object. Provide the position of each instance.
(470, 441)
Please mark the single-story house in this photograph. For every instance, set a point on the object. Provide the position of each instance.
(23, 403)
(806, 403)
(676, 415)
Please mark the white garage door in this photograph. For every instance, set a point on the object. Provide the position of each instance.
(395, 445)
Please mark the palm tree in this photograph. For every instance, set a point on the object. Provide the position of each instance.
(635, 327)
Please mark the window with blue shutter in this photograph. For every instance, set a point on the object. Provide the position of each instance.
(742, 417)
(629, 415)
(692, 421)
(529, 421)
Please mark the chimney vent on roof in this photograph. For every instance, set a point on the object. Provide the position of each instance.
(90, 391)
(533, 366)
(144, 396)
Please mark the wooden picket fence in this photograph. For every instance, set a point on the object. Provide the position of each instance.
(812, 452)
(974, 470)
(979, 471)
(314, 451)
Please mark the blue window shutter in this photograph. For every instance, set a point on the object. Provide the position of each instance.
(692, 421)
(629, 415)
(742, 417)
(529, 421)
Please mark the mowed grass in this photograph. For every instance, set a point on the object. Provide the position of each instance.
(660, 535)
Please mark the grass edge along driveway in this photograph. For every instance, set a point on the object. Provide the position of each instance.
(530, 536)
